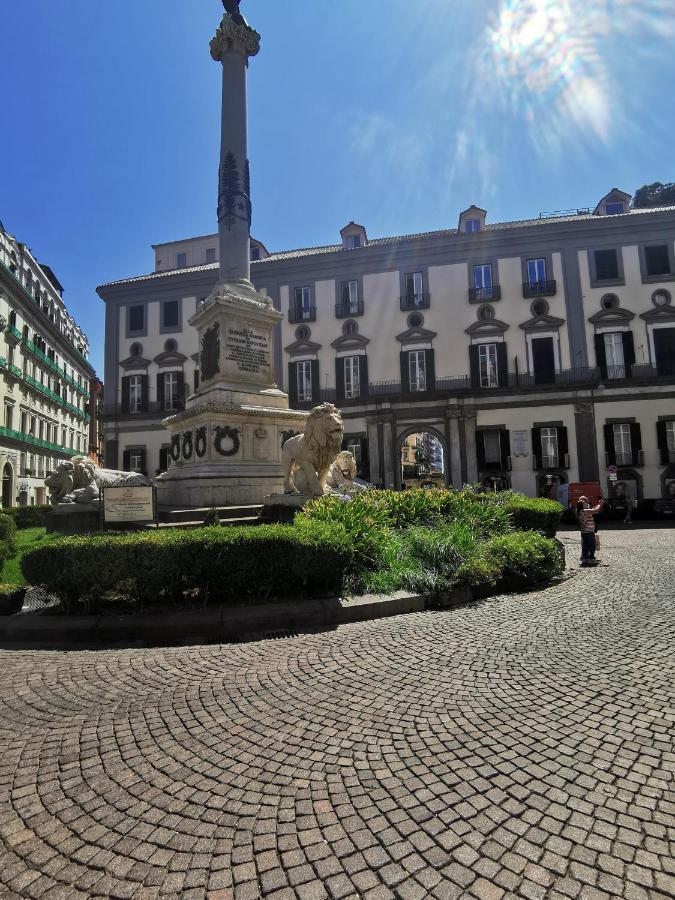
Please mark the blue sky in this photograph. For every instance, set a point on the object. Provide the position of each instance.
(397, 114)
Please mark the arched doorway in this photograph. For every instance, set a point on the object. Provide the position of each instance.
(423, 459)
(7, 485)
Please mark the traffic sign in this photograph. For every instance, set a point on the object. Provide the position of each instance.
(611, 470)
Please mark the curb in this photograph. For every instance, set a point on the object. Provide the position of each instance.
(204, 626)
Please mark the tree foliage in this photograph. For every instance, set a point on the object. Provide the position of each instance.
(656, 194)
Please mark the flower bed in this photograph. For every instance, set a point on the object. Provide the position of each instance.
(431, 542)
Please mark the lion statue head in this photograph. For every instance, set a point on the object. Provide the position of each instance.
(346, 464)
(323, 436)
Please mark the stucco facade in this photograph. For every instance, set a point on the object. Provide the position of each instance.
(48, 389)
(519, 345)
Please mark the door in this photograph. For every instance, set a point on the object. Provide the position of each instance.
(543, 360)
(7, 486)
(664, 345)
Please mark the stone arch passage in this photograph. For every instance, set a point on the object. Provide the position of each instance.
(422, 458)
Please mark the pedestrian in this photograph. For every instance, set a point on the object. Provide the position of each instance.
(585, 515)
(631, 503)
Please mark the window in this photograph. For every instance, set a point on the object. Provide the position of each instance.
(539, 308)
(136, 318)
(670, 437)
(609, 301)
(657, 261)
(354, 447)
(181, 260)
(135, 393)
(471, 225)
(350, 328)
(255, 254)
(170, 346)
(170, 314)
(350, 296)
(493, 447)
(536, 272)
(303, 302)
(304, 381)
(614, 209)
(661, 298)
(485, 314)
(549, 447)
(622, 445)
(482, 277)
(210, 254)
(136, 461)
(614, 355)
(352, 377)
(9, 415)
(171, 383)
(24, 421)
(606, 265)
(487, 365)
(418, 370)
(353, 241)
(414, 288)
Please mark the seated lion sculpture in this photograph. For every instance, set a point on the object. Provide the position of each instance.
(80, 481)
(307, 457)
(342, 474)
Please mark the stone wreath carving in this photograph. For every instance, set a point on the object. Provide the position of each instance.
(175, 447)
(200, 441)
(308, 457)
(224, 434)
(187, 445)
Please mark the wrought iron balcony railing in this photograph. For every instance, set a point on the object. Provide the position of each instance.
(347, 310)
(296, 315)
(485, 294)
(415, 301)
(539, 288)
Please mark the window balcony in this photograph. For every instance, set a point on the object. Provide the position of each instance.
(36, 442)
(485, 294)
(632, 458)
(296, 316)
(411, 302)
(556, 461)
(348, 310)
(539, 289)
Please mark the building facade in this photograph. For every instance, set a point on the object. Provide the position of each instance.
(536, 353)
(48, 388)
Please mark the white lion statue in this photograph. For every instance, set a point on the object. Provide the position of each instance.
(342, 474)
(307, 457)
(80, 481)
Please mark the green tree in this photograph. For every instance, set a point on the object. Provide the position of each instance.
(656, 194)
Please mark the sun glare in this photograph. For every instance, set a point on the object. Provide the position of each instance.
(549, 61)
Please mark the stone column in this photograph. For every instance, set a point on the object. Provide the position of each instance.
(232, 46)
(388, 441)
(587, 446)
(454, 449)
(470, 442)
(375, 476)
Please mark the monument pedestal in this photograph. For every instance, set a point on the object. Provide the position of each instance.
(226, 445)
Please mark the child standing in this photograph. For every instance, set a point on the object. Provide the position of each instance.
(585, 514)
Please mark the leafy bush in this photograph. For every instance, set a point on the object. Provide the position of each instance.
(211, 518)
(28, 516)
(11, 599)
(7, 539)
(523, 559)
(527, 513)
(222, 564)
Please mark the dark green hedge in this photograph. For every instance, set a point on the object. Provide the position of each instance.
(11, 599)
(227, 565)
(28, 516)
(524, 559)
(527, 513)
(7, 539)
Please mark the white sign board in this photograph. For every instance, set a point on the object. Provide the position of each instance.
(129, 504)
(520, 443)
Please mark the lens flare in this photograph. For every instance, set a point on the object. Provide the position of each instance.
(566, 64)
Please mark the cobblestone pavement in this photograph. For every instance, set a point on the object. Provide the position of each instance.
(517, 747)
